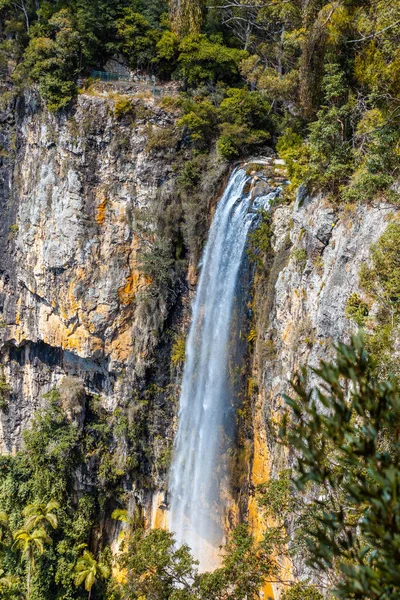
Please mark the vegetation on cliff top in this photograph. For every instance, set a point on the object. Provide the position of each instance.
(320, 79)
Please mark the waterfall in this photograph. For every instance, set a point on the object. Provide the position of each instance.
(200, 465)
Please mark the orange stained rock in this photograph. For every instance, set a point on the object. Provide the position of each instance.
(134, 282)
(159, 517)
(127, 292)
(101, 211)
(73, 304)
(259, 474)
(76, 339)
(120, 348)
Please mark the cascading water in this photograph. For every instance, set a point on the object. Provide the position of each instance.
(207, 408)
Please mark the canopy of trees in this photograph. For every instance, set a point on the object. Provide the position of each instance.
(328, 72)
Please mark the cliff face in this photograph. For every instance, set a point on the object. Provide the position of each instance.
(75, 192)
(317, 250)
(80, 197)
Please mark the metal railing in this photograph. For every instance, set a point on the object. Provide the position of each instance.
(143, 81)
(107, 76)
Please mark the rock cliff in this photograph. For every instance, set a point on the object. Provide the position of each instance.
(82, 196)
(78, 197)
(300, 314)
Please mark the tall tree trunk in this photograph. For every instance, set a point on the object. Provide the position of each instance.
(28, 580)
(22, 7)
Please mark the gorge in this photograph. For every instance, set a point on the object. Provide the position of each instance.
(199, 300)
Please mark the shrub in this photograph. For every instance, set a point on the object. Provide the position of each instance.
(236, 140)
(201, 60)
(292, 149)
(345, 435)
(178, 351)
(123, 105)
(259, 246)
(382, 279)
(300, 258)
(161, 138)
(302, 591)
(244, 107)
(356, 309)
(199, 120)
(245, 122)
(4, 393)
(190, 175)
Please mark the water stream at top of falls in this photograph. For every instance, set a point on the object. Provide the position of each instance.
(200, 466)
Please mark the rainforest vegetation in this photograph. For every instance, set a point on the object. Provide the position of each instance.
(317, 80)
(344, 517)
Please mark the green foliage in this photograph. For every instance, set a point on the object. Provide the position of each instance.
(244, 116)
(377, 160)
(259, 246)
(382, 279)
(356, 309)
(161, 138)
(178, 351)
(51, 59)
(324, 75)
(123, 105)
(4, 393)
(302, 591)
(156, 569)
(201, 60)
(275, 496)
(190, 175)
(246, 566)
(300, 258)
(379, 279)
(292, 149)
(199, 120)
(41, 515)
(350, 452)
(330, 152)
(137, 38)
(40, 501)
(88, 571)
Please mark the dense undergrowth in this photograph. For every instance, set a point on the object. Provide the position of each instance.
(60, 491)
(320, 80)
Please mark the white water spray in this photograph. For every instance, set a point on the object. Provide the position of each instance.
(206, 412)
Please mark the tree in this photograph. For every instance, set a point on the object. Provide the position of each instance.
(52, 60)
(30, 544)
(4, 530)
(186, 16)
(330, 149)
(40, 515)
(155, 568)
(202, 60)
(138, 39)
(88, 571)
(247, 565)
(346, 433)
